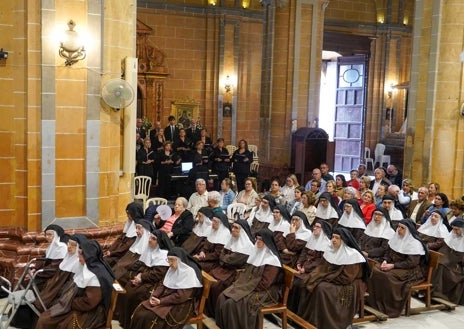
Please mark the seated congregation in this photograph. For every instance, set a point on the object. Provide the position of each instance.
(340, 255)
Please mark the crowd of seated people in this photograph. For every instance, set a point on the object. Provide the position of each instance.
(160, 254)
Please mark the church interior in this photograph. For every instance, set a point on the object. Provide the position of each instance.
(363, 71)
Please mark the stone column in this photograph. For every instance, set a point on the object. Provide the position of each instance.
(435, 133)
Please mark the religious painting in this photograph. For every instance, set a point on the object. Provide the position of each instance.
(227, 110)
(184, 111)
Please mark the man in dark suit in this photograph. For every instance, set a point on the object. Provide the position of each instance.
(193, 132)
(139, 129)
(171, 132)
(418, 207)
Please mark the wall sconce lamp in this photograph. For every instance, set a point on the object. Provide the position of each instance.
(3, 54)
(71, 48)
(380, 18)
(227, 85)
(212, 2)
(405, 20)
(389, 90)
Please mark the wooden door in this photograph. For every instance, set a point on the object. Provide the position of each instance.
(350, 108)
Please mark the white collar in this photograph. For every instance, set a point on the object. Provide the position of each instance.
(85, 278)
(281, 226)
(437, 231)
(320, 243)
(203, 229)
(344, 255)
(264, 256)
(220, 236)
(303, 233)
(56, 249)
(264, 216)
(129, 228)
(242, 244)
(183, 277)
(326, 212)
(407, 244)
(141, 243)
(70, 262)
(455, 242)
(353, 220)
(154, 257)
(382, 230)
(395, 214)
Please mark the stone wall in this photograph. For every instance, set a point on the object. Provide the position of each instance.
(18, 246)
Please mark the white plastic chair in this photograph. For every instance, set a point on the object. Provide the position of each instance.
(367, 158)
(233, 208)
(155, 201)
(142, 188)
(231, 149)
(254, 167)
(254, 148)
(380, 157)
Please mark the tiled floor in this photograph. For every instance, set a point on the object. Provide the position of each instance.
(432, 320)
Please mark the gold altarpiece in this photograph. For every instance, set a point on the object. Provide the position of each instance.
(151, 74)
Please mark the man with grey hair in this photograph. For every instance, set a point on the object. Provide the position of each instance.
(394, 190)
(214, 201)
(317, 176)
(199, 198)
(418, 207)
